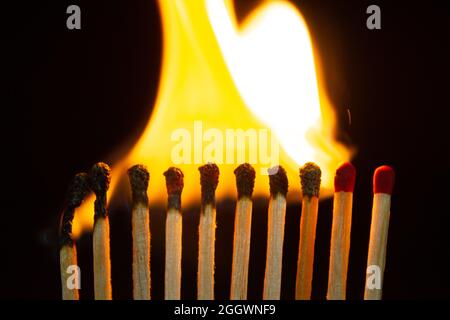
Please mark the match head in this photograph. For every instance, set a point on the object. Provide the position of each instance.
(139, 177)
(310, 179)
(344, 180)
(278, 181)
(174, 180)
(209, 179)
(245, 180)
(383, 180)
(78, 190)
(100, 177)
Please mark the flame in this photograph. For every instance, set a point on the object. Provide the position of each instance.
(220, 79)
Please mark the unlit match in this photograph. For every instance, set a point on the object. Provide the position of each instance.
(344, 183)
(383, 184)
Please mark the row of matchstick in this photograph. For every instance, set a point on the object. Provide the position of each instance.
(310, 175)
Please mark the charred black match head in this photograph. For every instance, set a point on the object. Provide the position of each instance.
(174, 184)
(278, 181)
(77, 191)
(100, 177)
(310, 179)
(139, 177)
(209, 179)
(245, 180)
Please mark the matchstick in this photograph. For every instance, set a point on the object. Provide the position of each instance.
(78, 189)
(275, 232)
(344, 183)
(139, 177)
(174, 228)
(209, 178)
(100, 179)
(310, 181)
(383, 183)
(245, 181)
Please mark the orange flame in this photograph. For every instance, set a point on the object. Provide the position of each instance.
(230, 94)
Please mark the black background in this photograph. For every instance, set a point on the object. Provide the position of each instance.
(74, 97)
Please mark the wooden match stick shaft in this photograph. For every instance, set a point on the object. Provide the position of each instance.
(310, 176)
(305, 264)
(378, 241)
(340, 245)
(140, 221)
(141, 252)
(207, 234)
(68, 257)
(102, 261)
(173, 254)
(241, 249)
(275, 237)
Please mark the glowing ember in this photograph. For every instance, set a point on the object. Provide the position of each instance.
(231, 94)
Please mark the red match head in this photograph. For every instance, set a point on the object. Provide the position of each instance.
(383, 180)
(344, 180)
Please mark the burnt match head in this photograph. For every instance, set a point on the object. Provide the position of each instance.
(383, 180)
(209, 179)
(174, 185)
(139, 177)
(77, 191)
(310, 179)
(245, 180)
(100, 177)
(344, 180)
(278, 182)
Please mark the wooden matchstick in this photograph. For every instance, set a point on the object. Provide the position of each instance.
(100, 179)
(383, 183)
(275, 232)
(209, 178)
(310, 180)
(174, 228)
(245, 181)
(139, 177)
(344, 183)
(78, 189)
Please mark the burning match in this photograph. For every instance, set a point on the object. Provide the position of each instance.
(78, 189)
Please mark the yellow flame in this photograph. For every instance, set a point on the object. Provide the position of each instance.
(218, 77)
